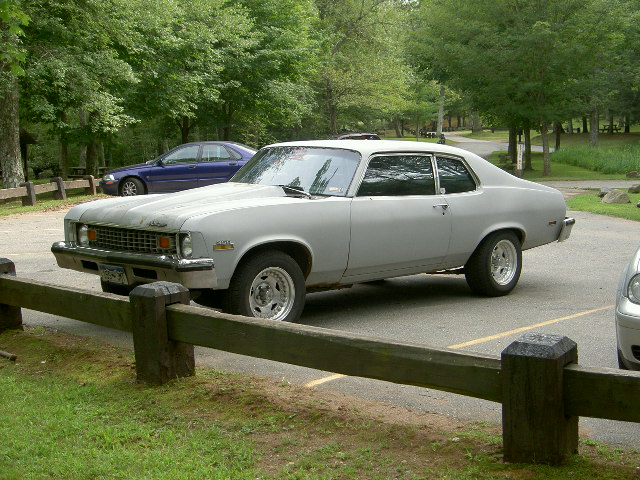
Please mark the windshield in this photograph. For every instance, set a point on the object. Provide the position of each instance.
(318, 171)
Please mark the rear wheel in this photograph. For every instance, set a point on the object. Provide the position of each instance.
(269, 285)
(494, 268)
(131, 186)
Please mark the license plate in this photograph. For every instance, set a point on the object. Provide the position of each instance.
(113, 274)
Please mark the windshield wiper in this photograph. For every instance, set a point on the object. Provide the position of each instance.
(296, 190)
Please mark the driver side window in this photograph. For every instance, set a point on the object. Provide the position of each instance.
(184, 155)
(396, 175)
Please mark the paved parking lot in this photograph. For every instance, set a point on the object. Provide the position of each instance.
(565, 289)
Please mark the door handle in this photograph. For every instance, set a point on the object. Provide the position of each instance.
(443, 206)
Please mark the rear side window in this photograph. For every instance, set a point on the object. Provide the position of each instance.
(454, 176)
(395, 175)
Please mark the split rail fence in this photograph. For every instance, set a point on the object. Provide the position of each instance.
(28, 191)
(542, 388)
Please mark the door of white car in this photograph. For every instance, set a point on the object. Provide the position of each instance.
(398, 223)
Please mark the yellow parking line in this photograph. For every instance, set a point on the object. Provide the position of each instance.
(330, 378)
(524, 329)
(320, 381)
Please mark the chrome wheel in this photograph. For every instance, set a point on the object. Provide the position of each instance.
(504, 262)
(272, 294)
(131, 187)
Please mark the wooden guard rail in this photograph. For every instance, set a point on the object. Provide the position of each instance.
(542, 389)
(27, 191)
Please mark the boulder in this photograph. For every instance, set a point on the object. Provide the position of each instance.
(634, 188)
(633, 174)
(616, 196)
(603, 191)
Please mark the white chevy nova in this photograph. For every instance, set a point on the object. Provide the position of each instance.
(316, 215)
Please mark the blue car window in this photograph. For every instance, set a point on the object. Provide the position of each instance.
(183, 155)
(215, 153)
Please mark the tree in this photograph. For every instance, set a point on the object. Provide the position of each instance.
(73, 65)
(361, 66)
(12, 21)
(519, 61)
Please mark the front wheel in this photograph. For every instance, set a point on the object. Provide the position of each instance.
(269, 285)
(131, 186)
(494, 268)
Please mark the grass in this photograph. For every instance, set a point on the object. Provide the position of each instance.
(559, 171)
(591, 203)
(70, 409)
(46, 202)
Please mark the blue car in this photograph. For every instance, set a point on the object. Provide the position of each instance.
(186, 166)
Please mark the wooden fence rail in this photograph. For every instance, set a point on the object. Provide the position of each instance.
(28, 191)
(542, 389)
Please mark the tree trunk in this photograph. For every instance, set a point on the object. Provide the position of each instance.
(185, 128)
(570, 126)
(557, 129)
(397, 126)
(593, 121)
(63, 161)
(82, 162)
(544, 130)
(476, 123)
(10, 161)
(440, 112)
(513, 143)
(585, 125)
(527, 147)
(332, 110)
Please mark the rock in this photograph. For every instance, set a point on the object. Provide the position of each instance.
(633, 174)
(616, 196)
(603, 191)
(634, 188)
(638, 205)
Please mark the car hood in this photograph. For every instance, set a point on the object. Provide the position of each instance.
(170, 211)
(128, 168)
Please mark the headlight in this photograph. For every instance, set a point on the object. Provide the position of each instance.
(83, 235)
(109, 178)
(186, 246)
(633, 290)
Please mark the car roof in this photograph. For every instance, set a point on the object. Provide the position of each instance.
(379, 146)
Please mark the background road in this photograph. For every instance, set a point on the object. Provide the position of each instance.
(571, 285)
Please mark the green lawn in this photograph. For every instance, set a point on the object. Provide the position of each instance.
(592, 203)
(71, 410)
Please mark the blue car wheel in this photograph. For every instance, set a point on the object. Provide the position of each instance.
(131, 186)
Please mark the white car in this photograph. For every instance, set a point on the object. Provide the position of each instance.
(628, 315)
(307, 216)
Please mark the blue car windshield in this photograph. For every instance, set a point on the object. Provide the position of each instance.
(317, 171)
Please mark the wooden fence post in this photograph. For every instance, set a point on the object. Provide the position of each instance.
(10, 316)
(60, 193)
(91, 189)
(30, 198)
(535, 428)
(158, 359)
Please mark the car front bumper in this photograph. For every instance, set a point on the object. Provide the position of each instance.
(109, 187)
(628, 332)
(138, 268)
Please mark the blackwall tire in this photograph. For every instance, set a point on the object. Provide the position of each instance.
(131, 187)
(494, 268)
(269, 285)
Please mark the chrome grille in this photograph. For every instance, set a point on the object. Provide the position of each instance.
(132, 240)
